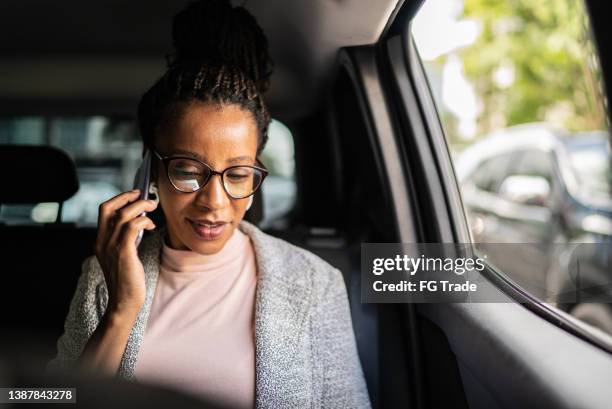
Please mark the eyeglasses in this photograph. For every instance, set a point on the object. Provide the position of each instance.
(189, 175)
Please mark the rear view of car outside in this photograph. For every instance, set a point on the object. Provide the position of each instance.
(518, 89)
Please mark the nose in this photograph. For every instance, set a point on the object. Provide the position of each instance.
(213, 195)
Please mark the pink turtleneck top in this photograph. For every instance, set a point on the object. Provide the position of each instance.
(200, 332)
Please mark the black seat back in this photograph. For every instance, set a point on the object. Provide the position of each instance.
(41, 262)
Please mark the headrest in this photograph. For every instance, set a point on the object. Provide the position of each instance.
(36, 174)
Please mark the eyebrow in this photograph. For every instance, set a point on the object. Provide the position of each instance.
(196, 156)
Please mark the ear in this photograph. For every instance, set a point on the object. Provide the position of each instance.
(250, 202)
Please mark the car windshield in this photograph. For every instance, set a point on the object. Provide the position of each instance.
(590, 158)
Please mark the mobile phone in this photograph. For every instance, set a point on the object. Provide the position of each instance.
(141, 181)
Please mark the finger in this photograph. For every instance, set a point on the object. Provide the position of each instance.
(106, 212)
(126, 214)
(133, 210)
(130, 231)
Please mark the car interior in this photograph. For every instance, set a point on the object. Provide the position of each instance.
(371, 166)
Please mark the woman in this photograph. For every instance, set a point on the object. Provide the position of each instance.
(210, 304)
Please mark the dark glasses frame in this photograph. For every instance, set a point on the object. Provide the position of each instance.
(166, 160)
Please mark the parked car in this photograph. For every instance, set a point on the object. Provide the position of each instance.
(543, 188)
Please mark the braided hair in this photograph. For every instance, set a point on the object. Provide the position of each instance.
(220, 56)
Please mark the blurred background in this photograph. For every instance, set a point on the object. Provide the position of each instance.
(108, 150)
(519, 92)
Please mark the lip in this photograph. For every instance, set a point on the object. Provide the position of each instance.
(207, 233)
(207, 221)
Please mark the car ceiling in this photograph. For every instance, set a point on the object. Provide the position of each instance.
(102, 55)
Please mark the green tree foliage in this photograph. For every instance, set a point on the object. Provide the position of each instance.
(548, 45)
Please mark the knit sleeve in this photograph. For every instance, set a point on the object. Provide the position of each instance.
(86, 310)
(343, 380)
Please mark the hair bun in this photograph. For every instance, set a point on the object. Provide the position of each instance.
(214, 32)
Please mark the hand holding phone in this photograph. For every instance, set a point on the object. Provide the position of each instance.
(141, 181)
(119, 224)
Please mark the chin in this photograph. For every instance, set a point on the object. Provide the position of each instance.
(208, 248)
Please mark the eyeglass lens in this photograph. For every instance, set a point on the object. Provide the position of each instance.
(188, 176)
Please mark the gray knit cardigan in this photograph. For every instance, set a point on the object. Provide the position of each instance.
(305, 351)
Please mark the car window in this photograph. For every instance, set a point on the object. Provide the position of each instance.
(107, 152)
(518, 90)
(279, 190)
(533, 163)
(590, 160)
(490, 172)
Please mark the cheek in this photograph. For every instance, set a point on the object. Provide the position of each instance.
(171, 201)
(240, 209)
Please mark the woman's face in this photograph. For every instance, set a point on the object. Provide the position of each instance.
(220, 136)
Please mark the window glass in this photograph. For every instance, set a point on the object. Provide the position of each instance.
(590, 159)
(491, 172)
(518, 89)
(107, 153)
(533, 163)
(279, 189)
